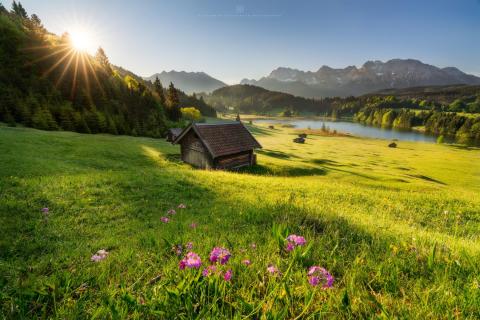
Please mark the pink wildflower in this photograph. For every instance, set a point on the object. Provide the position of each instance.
(208, 271)
(182, 206)
(165, 219)
(45, 211)
(171, 212)
(189, 245)
(246, 262)
(220, 254)
(99, 256)
(193, 225)
(191, 260)
(253, 245)
(318, 275)
(272, 269)
(290, 246)
(228, 275)
(182, 264)
(293, 241)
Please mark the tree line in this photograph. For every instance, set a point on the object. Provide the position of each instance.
(46, 84)
(463, 127)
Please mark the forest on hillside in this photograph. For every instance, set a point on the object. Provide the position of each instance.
(252, 99)
(46, 84)
(442, 110)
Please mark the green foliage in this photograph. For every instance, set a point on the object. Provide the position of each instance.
(172, 103)
(457, 106)
(252, 99)
(159, 90)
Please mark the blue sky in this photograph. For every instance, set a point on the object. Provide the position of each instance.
(231, 40)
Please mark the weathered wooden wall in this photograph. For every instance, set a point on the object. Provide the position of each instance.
(194, 152)
(234, 161)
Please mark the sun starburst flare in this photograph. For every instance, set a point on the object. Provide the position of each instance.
(71, 54)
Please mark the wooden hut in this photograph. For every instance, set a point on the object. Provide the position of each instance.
(173, 133)
(217, 146)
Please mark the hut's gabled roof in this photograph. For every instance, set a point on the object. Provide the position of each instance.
(175, 131)
(173, 134)
(222, 138)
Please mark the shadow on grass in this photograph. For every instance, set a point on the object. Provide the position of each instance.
(327, 164)
(464, 147)
(258, 130)
(420, 176)
(324, 162)
(275, 154)
(262, 170)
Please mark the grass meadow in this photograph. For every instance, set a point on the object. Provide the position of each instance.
(398, 229)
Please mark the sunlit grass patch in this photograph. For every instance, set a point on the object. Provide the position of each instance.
(396, 241)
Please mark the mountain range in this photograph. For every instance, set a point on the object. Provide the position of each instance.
(353, 81)
(189, 82)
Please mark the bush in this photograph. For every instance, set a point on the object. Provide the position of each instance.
(191, 113)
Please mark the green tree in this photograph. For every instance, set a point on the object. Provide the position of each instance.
(18, 10)
(43, 119)
(457, 105)
(172, 103)
(102, 59)
(2, 8)
(159, 90)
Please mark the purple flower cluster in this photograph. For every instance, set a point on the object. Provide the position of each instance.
(272, 269)
(191, 260)
(165, 219)
(228, 275)
(209, 270)
(318, 275)
(293, 241)
(220, 255)
(99, 256)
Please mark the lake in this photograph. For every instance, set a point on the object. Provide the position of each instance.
(356, 129)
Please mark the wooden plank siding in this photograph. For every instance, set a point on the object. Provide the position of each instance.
(233, 161)
(194, 152)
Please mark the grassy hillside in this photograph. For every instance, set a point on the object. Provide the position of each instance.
(397, 228)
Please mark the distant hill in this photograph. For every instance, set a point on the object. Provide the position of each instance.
(188, 82)
(371, 77)
(440, 94)
(248, 98)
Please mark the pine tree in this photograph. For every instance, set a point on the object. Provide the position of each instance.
(172, 103)
(159, 90)
(102, 59)
(80, 124)
(8, 118)
(2, 8)
(18, 10)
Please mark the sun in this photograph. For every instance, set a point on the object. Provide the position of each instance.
(81, 40)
